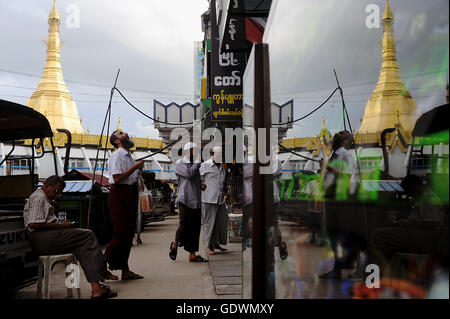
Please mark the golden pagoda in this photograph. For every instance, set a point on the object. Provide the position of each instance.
(390, 104)
(51, 97)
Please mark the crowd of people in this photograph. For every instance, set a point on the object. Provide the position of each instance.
(201, 197)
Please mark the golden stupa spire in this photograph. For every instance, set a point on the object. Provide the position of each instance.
(390, 96)
(54, 14)
(324, 127)
(118, 124)
(52, 97)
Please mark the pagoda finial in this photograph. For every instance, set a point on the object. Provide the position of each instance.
(324, 127)
(54, 14)
(324, 130)
(387, 15)
(118, 124)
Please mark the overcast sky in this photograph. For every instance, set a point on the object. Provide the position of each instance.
(152, 42)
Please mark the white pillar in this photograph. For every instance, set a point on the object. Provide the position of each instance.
(2, 156)
(59, 162)
(86, 159)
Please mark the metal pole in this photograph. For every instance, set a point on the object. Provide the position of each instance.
(108, 113)
(54, 155)
(263, 281)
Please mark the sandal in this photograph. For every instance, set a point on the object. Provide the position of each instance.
(107, 294)
(173, 251)
(110, 276)
(198, 259)
(217, 246)
(283, 251)
(133, 277)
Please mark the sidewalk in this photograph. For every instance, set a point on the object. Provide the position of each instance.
(163, 278)
(226, 269)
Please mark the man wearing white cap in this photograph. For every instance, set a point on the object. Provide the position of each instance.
(215, 218)
(189, 205)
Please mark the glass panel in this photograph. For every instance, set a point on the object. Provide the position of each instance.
(363, 226)
(247, 168)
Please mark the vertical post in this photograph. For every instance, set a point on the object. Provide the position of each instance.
(263, 281)
(54, 155)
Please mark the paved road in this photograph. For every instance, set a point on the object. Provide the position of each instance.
(163, 278)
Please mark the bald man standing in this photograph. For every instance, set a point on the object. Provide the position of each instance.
(215, 217)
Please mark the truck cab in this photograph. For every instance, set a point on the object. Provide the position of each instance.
(18, 263)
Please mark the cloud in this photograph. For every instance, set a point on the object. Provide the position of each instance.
(146, 130)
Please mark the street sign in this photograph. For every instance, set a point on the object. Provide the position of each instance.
(232, 26)
(227, 69)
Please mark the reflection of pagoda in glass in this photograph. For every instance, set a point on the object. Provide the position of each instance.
(53, 100)
(391, 103)
(390, 106)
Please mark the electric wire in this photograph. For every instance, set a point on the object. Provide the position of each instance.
(300, 155)
(438, 71)
(148, 116)
(96, 85)
(345, 113)
(313, 111)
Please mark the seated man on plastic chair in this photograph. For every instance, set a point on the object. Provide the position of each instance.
(50, 237)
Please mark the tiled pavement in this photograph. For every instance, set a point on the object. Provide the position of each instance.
(226, 269)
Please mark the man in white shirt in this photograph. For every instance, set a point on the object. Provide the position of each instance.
(342, 166)
(215, 217)
(123, 203)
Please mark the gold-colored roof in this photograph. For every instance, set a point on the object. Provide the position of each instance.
(400, 137)
(51, 97)
(60, 140)
(390, 101)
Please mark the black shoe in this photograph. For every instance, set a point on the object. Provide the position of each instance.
(283, 251)
(173, 252)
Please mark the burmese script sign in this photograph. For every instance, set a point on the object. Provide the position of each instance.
(227, 69)
(232, 26)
